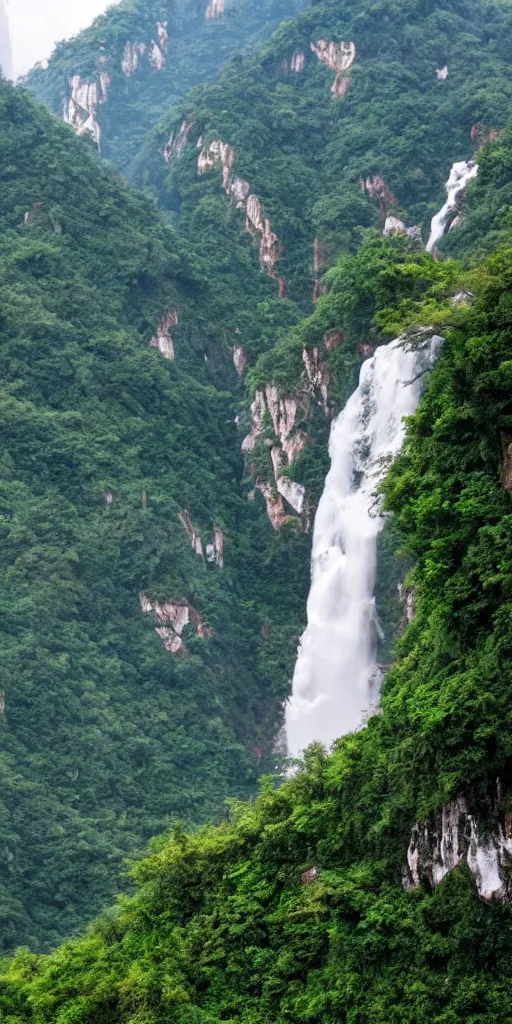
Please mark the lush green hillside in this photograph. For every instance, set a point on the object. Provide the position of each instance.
(279, 192)
(106, 736)
(326, 167)
(295, 909)
(144, 55)
(322, 172)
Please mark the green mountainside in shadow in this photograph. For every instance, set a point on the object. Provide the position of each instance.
(320, 902)
(140, 58)
(106, 443)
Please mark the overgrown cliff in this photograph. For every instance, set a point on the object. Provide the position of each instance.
(169, 398)
(144, 655)
(117, 79)
(375, 885)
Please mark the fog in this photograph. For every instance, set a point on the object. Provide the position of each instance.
(36, 25)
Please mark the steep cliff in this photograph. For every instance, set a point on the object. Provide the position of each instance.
(198, 371)
(121, 477)
(374, 884)
(124, 73)
(340, 124)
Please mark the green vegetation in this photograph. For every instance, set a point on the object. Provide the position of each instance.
(225, 925)
(106, 737)
(305, 154)
(197, 48)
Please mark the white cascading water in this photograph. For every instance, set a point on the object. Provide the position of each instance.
(337, 680)
(460, 175)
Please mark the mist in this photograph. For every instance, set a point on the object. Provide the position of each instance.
(36, 26)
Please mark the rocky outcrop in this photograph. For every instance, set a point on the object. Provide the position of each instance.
(319, 265)
(332, 339)
(162, 340)
(40, 216)
(442, 73)
(240, 359)
(214, 550)
(506, 474)
(81, 107)
(219, 153)
(376, 188)
(158, 50)
(275, 505)
(177, 142)
(218, 546)
(195, 537)
(453, 835)
(339, 57)
(109, 497)
(172, 617)
(315, 379)
(283, 414)
(395, 226)
(215, 7)
(481, 135)
(408, 599)
(132, 54)
(298, 62)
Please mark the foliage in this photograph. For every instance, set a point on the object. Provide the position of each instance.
(306, 156)
(197, 48)
(224, 924)
(107, 737)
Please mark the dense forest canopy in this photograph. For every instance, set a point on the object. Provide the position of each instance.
(105, 735)
(154, 577)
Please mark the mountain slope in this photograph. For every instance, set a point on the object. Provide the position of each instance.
(144, 654)
(307, 173)
(120, 76)
(350, 892)
(270, 179)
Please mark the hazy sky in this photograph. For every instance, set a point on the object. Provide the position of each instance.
(36, 25)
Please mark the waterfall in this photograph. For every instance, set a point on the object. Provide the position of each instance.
(460, 175)
(5, 43)
(337, 680)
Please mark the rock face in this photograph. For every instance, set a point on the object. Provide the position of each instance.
(197, 544)
(376, 188)
(240, 359)
(131, 57)
(318, 267)
(480, 134)
(290, 439)
(506, 475)
(395, 226)
(214, 550)
(298, 62)
(177, 142)
(158, 49)
(442, 73)
(172, 617)
(220, 153)
(339, 57)
(163, 338)
(81, 107)
(452, 836)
